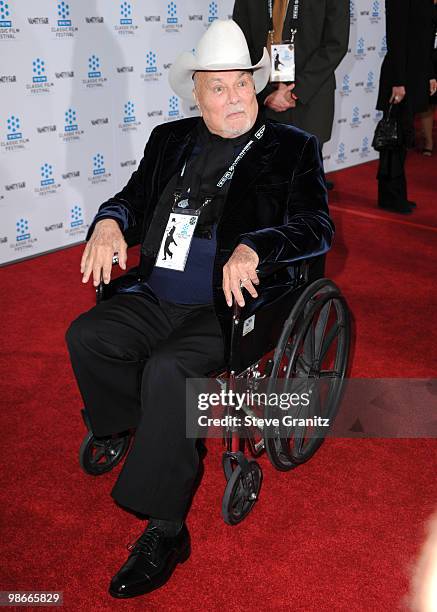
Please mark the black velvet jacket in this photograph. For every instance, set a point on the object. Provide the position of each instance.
(277, 200)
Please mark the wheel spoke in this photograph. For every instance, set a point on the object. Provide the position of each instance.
(239, 501)
(309, 345)
(328, 340)
(320, 329)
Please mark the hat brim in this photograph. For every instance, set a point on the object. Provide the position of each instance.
(182, 70)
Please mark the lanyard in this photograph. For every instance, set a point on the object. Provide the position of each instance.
(290, 20)
(230, 171)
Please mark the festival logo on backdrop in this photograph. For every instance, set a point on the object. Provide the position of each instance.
(383, 47)
(151, 72)
(173, 110)
(76, 226)
(95, 77)
(375, 13)
(365, 149)
(353, 12)
(360, 51)
(370, 84)
(99, 173)
(172, 22)
(126, 25)
(40, 83)
(47, 184)
(71, 131)
(7, 29)
(129, 123)
(212, 12)
(64, 27)
(341, 153)
(76, 217)
(23, 239)
(14, 139)
(345, 89)
(356, 119)
(22, 230)
(5, 15)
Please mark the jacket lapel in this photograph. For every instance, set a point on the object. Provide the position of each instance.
(175, 150)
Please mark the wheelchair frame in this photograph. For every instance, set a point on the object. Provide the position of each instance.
(298, 353)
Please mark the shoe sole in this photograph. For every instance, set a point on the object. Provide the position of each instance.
(184, 556)
(399, 212)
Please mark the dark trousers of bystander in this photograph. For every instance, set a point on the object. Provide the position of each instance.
(392, 181)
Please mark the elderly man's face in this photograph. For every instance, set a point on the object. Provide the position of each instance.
(227, 101)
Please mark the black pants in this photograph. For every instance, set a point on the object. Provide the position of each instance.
(131, 357)
(392, 181)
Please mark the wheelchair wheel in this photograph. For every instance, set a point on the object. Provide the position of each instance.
(99, 455)
(313, 351)
(241, 492)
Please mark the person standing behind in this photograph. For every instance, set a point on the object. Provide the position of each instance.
(320, 31)
(407, 79)
(427, 117)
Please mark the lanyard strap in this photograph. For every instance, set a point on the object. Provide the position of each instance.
(230, 171)
(220, 184)
(290, 20)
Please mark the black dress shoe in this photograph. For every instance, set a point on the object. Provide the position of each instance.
(151, 563)
(329, 185)
(403, 208)
(412, 204)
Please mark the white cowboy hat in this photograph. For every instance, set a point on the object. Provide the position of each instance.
(222, 47)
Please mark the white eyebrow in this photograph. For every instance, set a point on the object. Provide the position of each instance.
(219, 80)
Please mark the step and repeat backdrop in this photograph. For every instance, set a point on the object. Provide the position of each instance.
(83, 83)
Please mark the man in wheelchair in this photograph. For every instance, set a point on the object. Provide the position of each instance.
(214, 200)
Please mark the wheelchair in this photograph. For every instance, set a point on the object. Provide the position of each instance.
(302, 335)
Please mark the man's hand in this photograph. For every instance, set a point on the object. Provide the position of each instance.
(280, 100)
(105, 241)
(240, 271)
(432, 86)
(397, 94)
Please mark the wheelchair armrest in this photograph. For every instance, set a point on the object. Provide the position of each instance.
(301, 270)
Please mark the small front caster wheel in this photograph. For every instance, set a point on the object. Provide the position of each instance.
(99, 455)
(241, 493)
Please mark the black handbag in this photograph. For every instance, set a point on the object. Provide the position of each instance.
(386, 132)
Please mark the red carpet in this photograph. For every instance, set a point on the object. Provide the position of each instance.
(339, 533)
